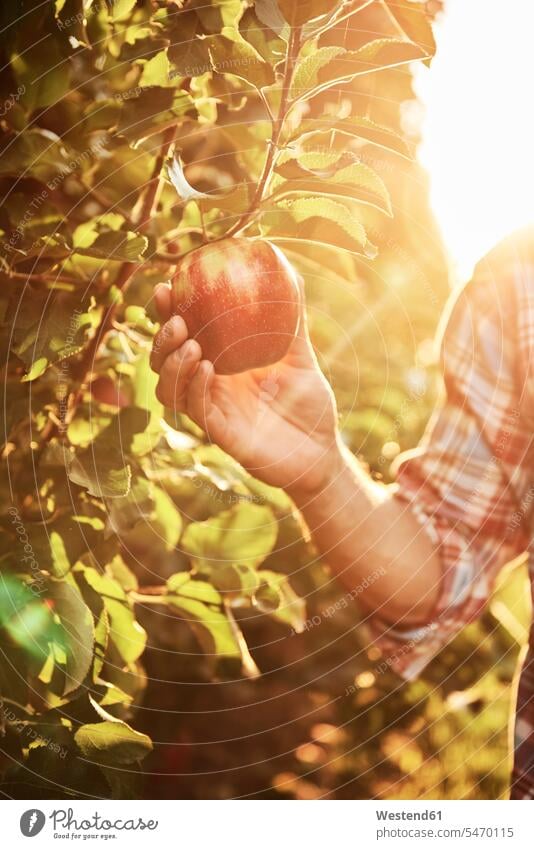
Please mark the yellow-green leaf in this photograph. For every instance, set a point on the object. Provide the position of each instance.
(236, 56)
(413, 20)
(300, 12)
(244, 534)
(112, 742)
(156, 71)
(318, 219)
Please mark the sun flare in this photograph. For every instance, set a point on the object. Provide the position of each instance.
(478, 130)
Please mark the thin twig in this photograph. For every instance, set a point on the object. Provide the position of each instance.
(167, 258)
(292, 50)
(45, 278)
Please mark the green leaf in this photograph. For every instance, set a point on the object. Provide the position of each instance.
(156, 71)
(268, 12)
(244, 534)
(269, 39)
(124, 784)
(47, 327)
(116, 245)
(121, 573)
(318, 132)
(78, 631)
(319, 162)
(38, 367)
(291, 609)
(103, 468)
(114, 695)
(60, 558)
(37, 153)
(328, 66)
(123, 429)
(215, 15)
(137, 506)
(235, 56)
(236, 579)
(157, 531)
(321, 173)
(178, 580)
(103, 477)
(121, 9)
(412, 19)
(211, 627)
(47, 671)
(187, 51)
(102, 115)
(81, 432)
(144, 385)
(376, 55)
(151, 110)
(137, 317)
(267, 598)
(236, 200)
(306, 74)
(112, 742)
(49, 246)
(166, 522)
(125, 632)
(317, 219)
(58, 545)
(300, 12)
(101, 642)
(44, 72)
(183, 585)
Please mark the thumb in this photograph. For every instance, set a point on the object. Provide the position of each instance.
(163, 300)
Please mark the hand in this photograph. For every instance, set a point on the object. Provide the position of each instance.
(279, 422)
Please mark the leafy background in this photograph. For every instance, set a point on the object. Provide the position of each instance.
(166, 628)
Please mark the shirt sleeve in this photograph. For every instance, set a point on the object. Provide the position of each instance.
(467, 482)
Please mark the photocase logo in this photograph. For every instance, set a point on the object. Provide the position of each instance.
(32, 822)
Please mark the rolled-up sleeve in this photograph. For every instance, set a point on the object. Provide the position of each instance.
(468, 481)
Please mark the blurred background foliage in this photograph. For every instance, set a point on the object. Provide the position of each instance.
(157, 605)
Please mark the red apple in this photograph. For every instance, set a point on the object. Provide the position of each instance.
(240, 300)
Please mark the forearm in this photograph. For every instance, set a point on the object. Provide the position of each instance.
(361, 529)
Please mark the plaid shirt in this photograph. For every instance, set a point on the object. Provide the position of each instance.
(471, 483)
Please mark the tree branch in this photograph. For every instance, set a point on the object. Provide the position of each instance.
(141, 217)
(278, 123)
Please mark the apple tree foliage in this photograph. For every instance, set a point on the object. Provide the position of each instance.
(131, 133)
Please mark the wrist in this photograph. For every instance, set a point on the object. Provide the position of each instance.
(319, 480)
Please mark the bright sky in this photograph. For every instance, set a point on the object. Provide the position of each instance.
(478, 132)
